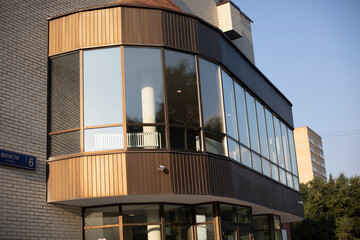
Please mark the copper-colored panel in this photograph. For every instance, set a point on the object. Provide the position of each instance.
(86, 177)
(180, 32)
(189, 174)
(143, 177)
(141, 26)
(209, 42)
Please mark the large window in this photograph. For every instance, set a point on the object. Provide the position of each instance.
(102, 99)
(254, 137)
(183, 104)
(212, 107)
(242, 115)
(144, 97)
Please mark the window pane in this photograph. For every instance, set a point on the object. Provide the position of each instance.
(227, 213)
(211, 96)
(234, 150)
(147, 232)
(275, 172)
(178, 232)
(271, 136)
(262, 235)
(144, 85)
(228, 234)
(279, 148)
(282, 175)
(289, 180)
(229, 102)
(296, 183)
(243, 214)
(266, 167)
(241, 115)
(101, 139)
(146, 137)
(185, 138)
(181, 88)
(256, 162)
(65, 92)
(277, 222)
(292, 152)
(64, 143)
(102, 87)
(254, 137)
(262, 129)
(177, 214)
(260, 223)
(141, 213)
(204, 213)
(101, 216)
(284, 137)
(245, 156)
(205, 232)
(102, 233)
(215, 143)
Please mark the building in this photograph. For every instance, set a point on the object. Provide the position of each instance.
(140, 119)
(310, 154)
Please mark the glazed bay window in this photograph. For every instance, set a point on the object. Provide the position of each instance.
(183, 103)
(144, 98)
(212, 107)
(279, 147)
(102, 100)
(204, 222)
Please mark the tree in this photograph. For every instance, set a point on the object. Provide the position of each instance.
(332, 209)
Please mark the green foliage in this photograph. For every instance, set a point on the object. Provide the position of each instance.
(332, 209)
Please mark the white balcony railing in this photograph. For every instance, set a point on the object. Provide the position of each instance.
(104, 141)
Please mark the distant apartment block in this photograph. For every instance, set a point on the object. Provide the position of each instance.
(310, 154)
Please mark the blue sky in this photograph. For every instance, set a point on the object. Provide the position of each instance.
(310, 50)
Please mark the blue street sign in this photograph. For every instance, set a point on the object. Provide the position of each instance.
(17, 160)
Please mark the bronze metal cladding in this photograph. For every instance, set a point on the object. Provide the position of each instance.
(87, 177)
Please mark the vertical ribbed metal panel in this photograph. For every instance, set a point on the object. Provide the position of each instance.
(141, 26)
(143, 175)
(87, 177)
(209, 42)
(189, 174)
(220, 177)
(180, 32)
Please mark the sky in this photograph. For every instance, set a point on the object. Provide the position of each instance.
(310, 50)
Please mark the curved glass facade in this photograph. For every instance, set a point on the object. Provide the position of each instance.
(146, 98)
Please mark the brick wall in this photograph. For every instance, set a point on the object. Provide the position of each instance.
(24, 213)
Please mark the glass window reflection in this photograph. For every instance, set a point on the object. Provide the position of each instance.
(262, 129)
(271, 136)
(211, 96)
(181, 88)
(229, 102)
(102, 87)
(242, 115)
(256, 162)
(102, 139)
(284, 137)
(292, 152)
(245, 156)
(279, 146)
(234, 150)
(254, 137)
(143, 85)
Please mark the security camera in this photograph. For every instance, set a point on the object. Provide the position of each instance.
(161, 168)
(300, 202)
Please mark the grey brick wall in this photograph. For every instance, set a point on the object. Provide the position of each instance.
(24, 213)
